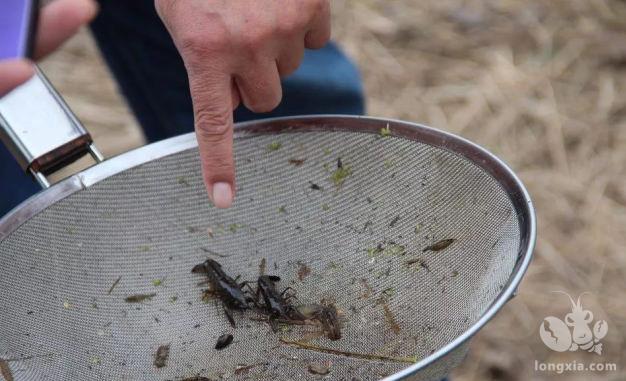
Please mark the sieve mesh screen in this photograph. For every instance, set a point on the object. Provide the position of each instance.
(362, 240)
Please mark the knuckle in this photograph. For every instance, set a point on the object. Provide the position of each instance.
(264, 104)
(190, 45)
(219, 164)
(193, 45)
(199, 44)
(212, 126)
(290, 25)
(253, 40)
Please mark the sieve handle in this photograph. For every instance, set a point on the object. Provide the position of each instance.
(41, 131)
(36, 124)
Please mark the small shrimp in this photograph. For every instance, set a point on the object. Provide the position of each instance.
(326, 315)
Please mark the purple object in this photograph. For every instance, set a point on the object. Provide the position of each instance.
(17, 25)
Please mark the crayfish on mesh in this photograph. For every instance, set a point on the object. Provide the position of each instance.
(276, 305)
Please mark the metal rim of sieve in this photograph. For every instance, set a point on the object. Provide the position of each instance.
(479, 156)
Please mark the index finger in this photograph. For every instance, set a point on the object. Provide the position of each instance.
(213, 111)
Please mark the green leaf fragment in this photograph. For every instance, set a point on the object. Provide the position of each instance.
(285, 329)
(234, 227)
(387, 251)
(157, 282)
(373, 251)
(340, 175)
(383, 273)
(418, 228)
(386, 131)
(95, 360)
(389, 292)
(274, 146)
(394, 250)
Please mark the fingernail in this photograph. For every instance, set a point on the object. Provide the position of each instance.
(222, 195)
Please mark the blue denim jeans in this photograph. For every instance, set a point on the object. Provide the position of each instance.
(151, 75)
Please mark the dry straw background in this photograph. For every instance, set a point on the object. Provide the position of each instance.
(542, 84)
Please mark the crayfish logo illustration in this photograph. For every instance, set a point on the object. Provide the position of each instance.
(575, 332)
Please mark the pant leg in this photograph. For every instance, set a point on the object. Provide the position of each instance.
(15, 185)
(151, 74)
(142, 56)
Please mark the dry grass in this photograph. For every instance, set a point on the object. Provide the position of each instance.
(540, 83)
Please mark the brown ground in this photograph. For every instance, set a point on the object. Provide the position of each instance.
(540, 83)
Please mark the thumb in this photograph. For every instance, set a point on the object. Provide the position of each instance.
(59, 21)
(13, 73)
(213, 111)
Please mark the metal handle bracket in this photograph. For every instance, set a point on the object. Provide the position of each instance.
(41, 131)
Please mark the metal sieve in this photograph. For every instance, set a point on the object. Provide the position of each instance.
(372, 236)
